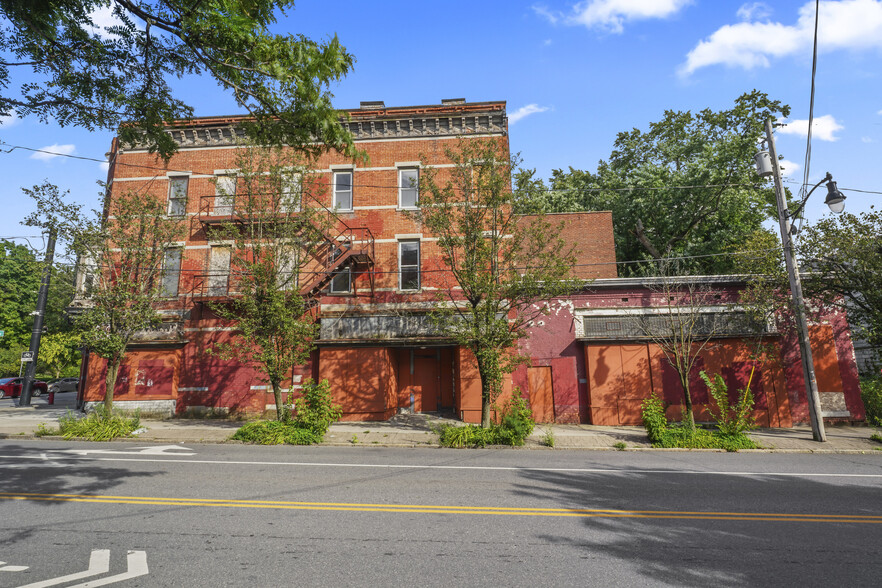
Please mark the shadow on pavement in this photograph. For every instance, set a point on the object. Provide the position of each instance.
(689, 552)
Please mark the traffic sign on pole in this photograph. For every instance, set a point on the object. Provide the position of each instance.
(27, 356)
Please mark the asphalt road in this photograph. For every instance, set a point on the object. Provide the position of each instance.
(233, 515)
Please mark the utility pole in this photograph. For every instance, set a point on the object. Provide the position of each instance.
(37, 332)
(805, 349)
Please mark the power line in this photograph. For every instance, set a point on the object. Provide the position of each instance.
(811, 118)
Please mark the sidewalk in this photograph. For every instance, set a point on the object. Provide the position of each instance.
(418, 431)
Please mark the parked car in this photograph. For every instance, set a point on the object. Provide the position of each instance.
(11, 387)
(64, 385)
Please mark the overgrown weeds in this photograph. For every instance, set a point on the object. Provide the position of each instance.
(733, 422)
(314, 413)
(98, 425)
(871, 394)
(515, 426)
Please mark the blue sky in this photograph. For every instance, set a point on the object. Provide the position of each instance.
(573, 74)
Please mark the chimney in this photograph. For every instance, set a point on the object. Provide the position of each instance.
(452, 101)
(375, 105)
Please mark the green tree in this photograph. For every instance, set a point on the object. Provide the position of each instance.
(58, 353)
(20, 279)
(502, 266)
(842, 258)
(685, 187)
(122, 248)
(76, 73)
(277, 234)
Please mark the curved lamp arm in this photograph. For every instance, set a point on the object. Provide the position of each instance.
(795, 213)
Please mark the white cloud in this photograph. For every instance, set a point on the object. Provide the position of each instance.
(9, 121)
(866, 140)
(754, 11)
(845, 24)
(880, 112)
(525, 111)
(104, 166)
(788, 168)
(611, 15)
(50, 152)
(546, 13)
(824, 128)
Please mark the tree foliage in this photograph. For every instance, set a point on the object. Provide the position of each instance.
(20, 280)
(121, 249)
(685, 187)
(842, 257)
(501, 266)
(276, 236)
(76, 70)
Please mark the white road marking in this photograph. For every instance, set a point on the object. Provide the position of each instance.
(151, 450)
(472, 468)
(99, 563)
(5, 568)
(137, 561)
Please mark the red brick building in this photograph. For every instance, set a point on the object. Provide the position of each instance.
(377, 348)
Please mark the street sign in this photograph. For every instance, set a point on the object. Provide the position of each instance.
(27, 356)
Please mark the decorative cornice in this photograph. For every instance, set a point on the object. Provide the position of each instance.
(408, 122)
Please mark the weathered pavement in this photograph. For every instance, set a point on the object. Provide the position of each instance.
(418, 431)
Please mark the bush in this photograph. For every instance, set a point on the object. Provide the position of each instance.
(871, 394)
(731, 420)
(664, 435)
(276, 433)
(652, 410)
(515, 426)
(315, 410)
(98, 425)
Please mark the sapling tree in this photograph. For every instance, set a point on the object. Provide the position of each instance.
(122, 247)
(498, 266)
(277, 234)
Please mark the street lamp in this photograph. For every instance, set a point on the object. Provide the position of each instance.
(767, 165)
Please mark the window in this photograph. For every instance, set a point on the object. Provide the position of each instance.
(343, 190)
(225, 195)
(341, 283)
(219, 271)
(171, 272)
(409, 265)
(408, 192)
(292, 189)
(177, 195)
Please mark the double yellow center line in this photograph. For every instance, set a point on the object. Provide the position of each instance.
(433, 509)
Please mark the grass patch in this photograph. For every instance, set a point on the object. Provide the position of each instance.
(877, 437)
(98, 425)
(276, 433)
(620, 446)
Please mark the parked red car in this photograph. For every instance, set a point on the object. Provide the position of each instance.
(11, 387)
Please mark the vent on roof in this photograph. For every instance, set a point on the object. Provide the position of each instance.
(375, 105)
(451, 101)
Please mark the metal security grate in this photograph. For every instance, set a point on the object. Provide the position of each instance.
(647, 326)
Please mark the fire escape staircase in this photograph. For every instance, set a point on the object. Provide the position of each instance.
(339, 248)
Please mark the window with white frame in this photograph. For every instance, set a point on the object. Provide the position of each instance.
(341, 283)
(171, 272)
(408, 265)
(292, 192)
(343, 190)
(177, 195)
(224, 194)
(219, 270)
(408, 190)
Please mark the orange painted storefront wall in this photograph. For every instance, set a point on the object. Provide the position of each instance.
(621, 376)
(363, 381)
(143, 375)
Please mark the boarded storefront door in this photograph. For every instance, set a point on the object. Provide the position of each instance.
(541, 394)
